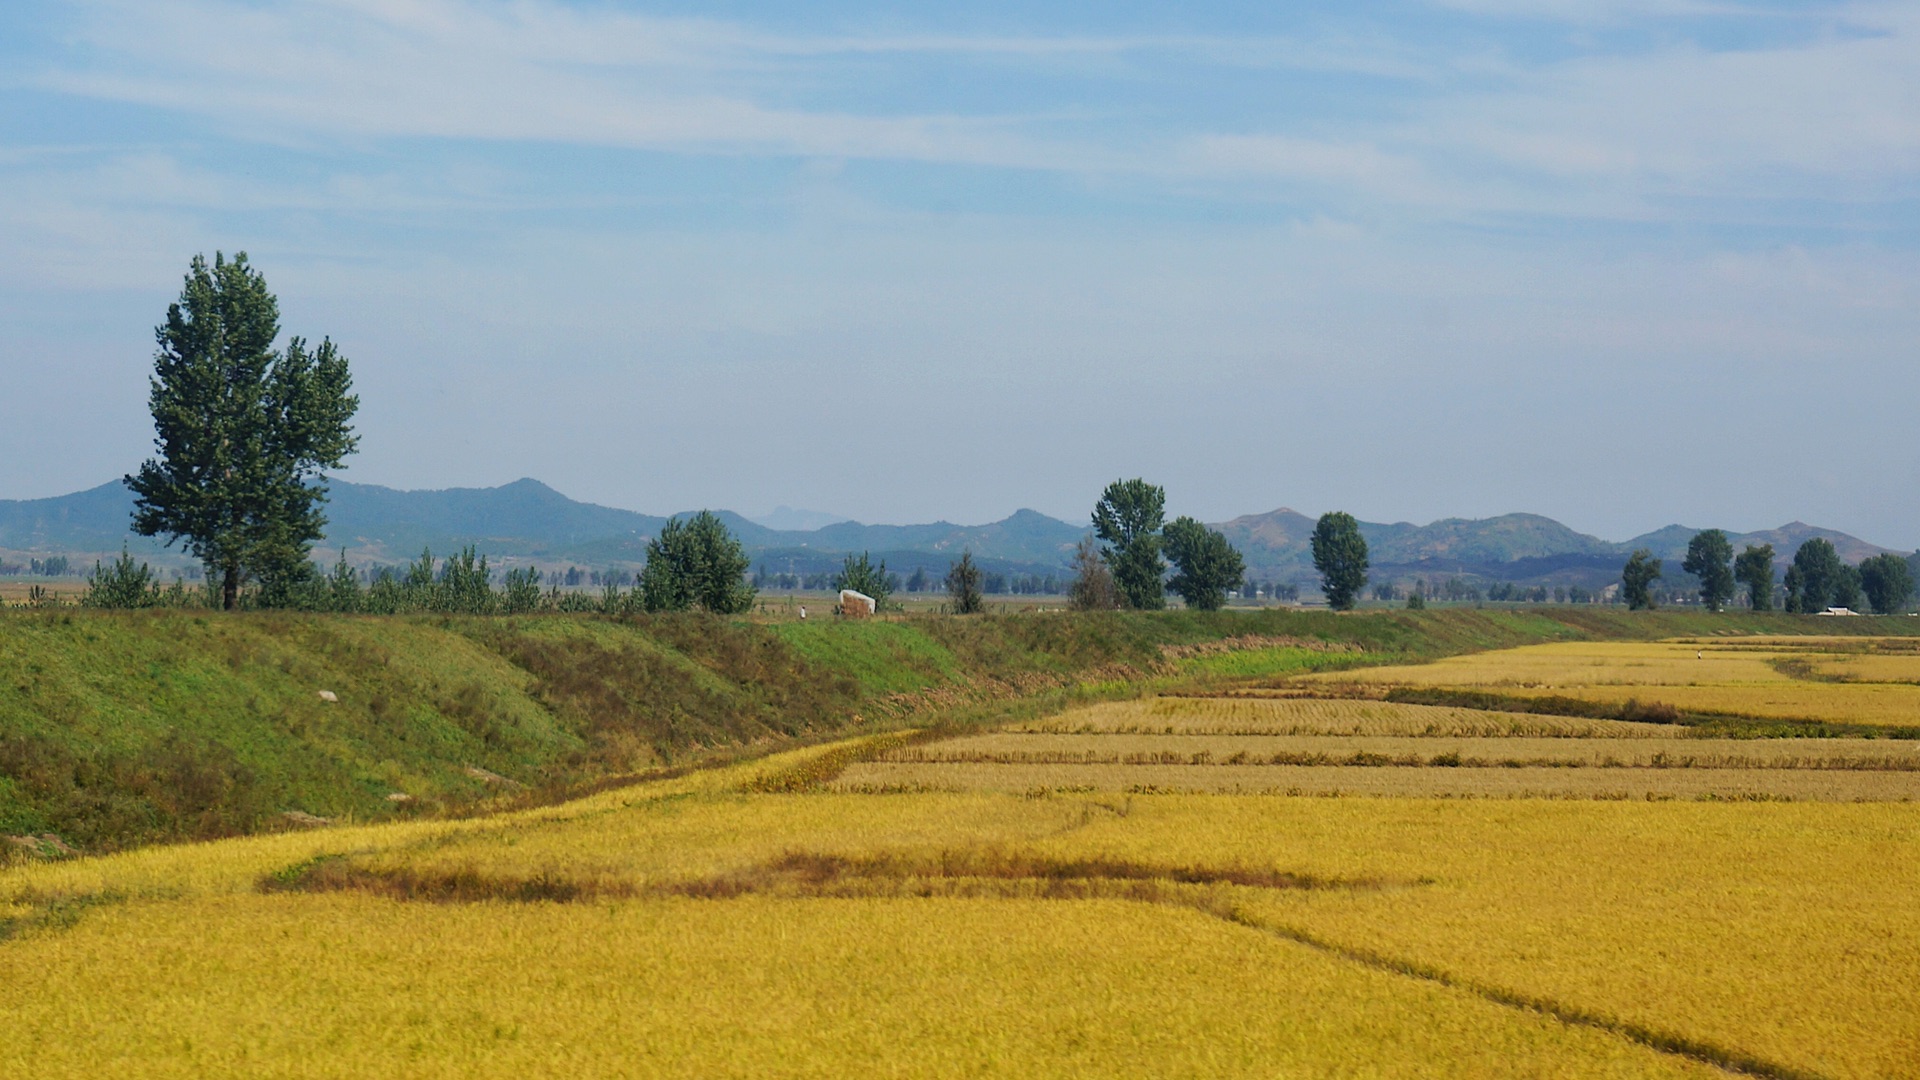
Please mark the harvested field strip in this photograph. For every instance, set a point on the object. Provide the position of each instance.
(1317, 716)
(1112, 749)
(1823, 785)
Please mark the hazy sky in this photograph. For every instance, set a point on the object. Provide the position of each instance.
(1622, 263)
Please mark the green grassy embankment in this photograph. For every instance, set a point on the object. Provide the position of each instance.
(123, 728)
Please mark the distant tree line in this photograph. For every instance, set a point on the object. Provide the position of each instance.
(51, 566)
(1816, 580)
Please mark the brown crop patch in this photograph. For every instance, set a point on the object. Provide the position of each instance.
(995, 872)
(987, 873)
(335, 873)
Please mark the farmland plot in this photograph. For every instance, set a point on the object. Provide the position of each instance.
(1835, 681)
(1119, 890)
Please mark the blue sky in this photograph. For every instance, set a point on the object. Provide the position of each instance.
(1622, 263)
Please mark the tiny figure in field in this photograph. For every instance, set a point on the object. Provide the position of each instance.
(803, 611)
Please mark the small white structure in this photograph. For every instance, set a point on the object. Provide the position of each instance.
(857, 605)
(1839, 611)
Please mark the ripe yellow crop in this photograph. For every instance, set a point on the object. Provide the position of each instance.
(351, 986)
(1518, 782)
(1036, 902)
(1780, 932)
(1320, 716)
(1011, 748)
(1775, 679)
(1587, 663)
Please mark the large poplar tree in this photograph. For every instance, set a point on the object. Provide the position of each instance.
(1206, 566)
(1708, 556)
(1127, 520)
(243, 430)
(1637, 578)
(1340, 554)
(1819, 578)
(1754, 569)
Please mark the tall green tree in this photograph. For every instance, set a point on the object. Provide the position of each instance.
(1792, 584)
(1754, 569)
(1340, 554)
(244, 431)
(1887, 582)
(1127, 520)
(1846, 588)
(862, 576)
(695, 562)
(963, 586)
(1820, 577)
(1206, 566)
(1708, 558)
(1637, 578)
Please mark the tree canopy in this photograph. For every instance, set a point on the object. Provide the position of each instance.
(1206, 566)
(1754, 569)
(963, 586)
(1637, 578)
(862, 576)
(1127, 519)
(1708, 558)
(1340, 554)
(1817, 579)
(696, 562)
(1888, 583)
(243, 431)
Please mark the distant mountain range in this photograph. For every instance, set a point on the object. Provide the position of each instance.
(527, 521)
(1512, 547)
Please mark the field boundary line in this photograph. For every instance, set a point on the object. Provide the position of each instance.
(1701, 1050)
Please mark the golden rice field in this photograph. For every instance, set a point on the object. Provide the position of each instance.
(1859, 681)
(688, 927)
(1315, 716)
(1124, 889)
(1524, 782)
(1014, 748)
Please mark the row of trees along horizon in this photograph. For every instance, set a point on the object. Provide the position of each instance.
(245, 432)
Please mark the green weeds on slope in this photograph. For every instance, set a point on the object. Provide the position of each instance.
(120, 728)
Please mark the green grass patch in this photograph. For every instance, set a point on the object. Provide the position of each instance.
(123, 728)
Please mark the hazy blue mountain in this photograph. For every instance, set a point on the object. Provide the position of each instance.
(788, 519)
(90, 520)
(527, 519)
(1671, 542)
(1278, 544)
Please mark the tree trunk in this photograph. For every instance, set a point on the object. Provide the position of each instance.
(230, 589)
